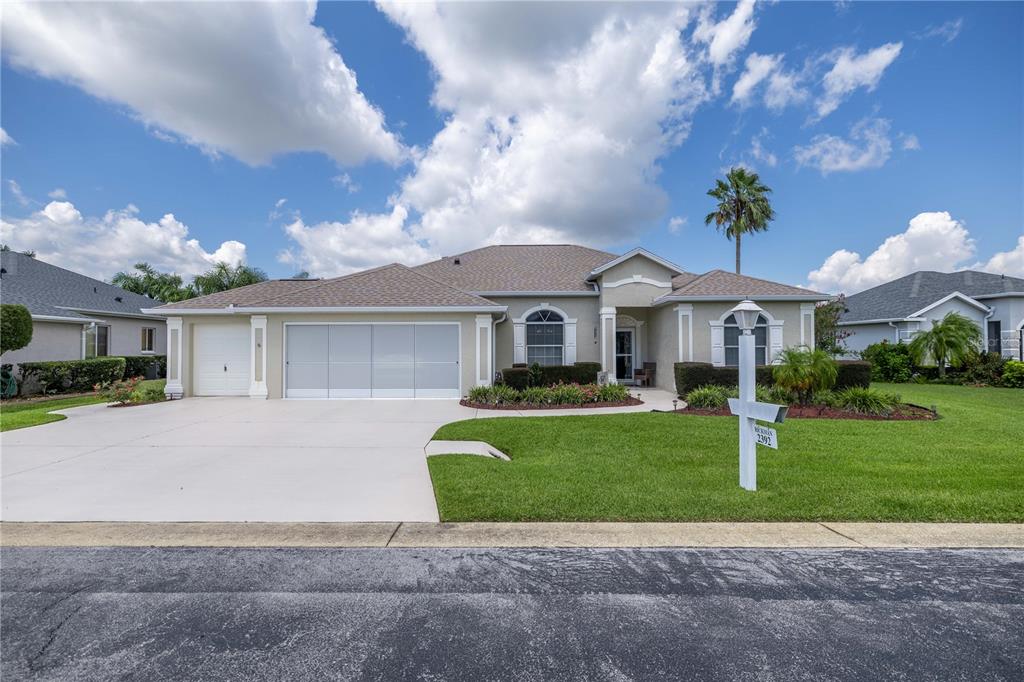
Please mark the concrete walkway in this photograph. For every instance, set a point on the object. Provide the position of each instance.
(767, 535)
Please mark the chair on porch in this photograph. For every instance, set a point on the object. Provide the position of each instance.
(645, 376)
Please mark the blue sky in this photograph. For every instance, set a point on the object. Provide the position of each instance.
(891, 131)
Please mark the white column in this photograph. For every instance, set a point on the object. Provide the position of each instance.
(684, 331)
(807, 325)
(258, 356)
(638, 350)
(174, 388)
(608, 343)
(484, 358)
(518, 342)
(748, 443)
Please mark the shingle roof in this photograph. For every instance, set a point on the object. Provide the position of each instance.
(537, 267)
(903, 297)
(50, 290)
(722, 283)
(389, 286)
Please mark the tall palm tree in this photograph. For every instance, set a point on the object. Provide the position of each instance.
(223, 277)
(743, 206)
(952, 339)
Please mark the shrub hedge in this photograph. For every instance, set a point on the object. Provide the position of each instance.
(73, 375)
(15, 327)
(853, 373)
(520, 376)
(690, 375)
(142, 365)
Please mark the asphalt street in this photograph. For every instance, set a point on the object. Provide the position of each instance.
(528, 614)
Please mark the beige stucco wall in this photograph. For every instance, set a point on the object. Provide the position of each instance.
(584, 309)
(126, 335)
(50, 341)
(637, 293)
(662, 344)
(706, 312)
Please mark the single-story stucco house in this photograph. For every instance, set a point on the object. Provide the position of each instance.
(897, 310)
(76, 317)
(438, 329)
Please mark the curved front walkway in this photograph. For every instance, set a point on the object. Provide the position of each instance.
(236, 459)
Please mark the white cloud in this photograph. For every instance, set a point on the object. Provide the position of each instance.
(100, 246)
(331, 249)
(948, 31)
(611, 87)
(868, 146)
(782, 88)
(346, 181)
(757, 68)
(932, 241)
(58, 193)
(1008, 262)
(909, 142)
(727, 37)
(851, 71)
(17, 193)
(676, 224)
(5, 139)
(758, 151)
(252, 80)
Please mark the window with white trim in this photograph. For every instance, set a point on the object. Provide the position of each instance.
(732, 341)
(97, 340)
(545, 338)
(148, 334)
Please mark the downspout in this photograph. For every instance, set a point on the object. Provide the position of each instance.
(896, 326)
(984, 331)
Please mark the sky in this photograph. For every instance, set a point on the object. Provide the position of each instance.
(334, 137)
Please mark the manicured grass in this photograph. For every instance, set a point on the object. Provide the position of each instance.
(18, 415)
(967, 466)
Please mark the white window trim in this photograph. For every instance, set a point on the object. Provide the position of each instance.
(718, 338)
(152, 341)
(519, 352)
(562, 323)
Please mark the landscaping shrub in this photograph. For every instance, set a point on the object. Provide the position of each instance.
(612, 393)
(708, 397)
(151, 393)
(534, 395)
(691, 375)
(983, 368)
(560, 394)
(504, 394)
(854, 373)
(889, 361)
(144, 365)
(804, 371)
(120, 391)
(1013, 374)
(15, 327)
(516, 377)
(586, 372)
(567, 394)
(73, 375)
(866, 400)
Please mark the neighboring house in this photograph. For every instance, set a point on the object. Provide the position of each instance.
(441, 328)
(897, 310)
(438, 329)
(74, 316)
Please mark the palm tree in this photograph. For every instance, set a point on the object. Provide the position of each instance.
(743, 206)
(146, 280)
(223, 277)
(953, 340)
(805, 371)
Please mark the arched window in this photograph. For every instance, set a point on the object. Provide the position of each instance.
(545, 338)
(732, 341)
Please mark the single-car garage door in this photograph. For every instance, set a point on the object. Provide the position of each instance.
(221, 359)
(372, 360)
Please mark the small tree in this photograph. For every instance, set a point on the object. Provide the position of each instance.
(951, 340)
(828, 335)
(15, 327)
(804, 371)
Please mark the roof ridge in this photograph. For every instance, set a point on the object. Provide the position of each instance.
(696, 279)
(324, 282)
(767, 281)
(444, 284)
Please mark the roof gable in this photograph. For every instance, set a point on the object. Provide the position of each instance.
(636, 253)
(723, 284)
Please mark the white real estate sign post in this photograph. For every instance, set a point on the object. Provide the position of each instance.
(746, 407)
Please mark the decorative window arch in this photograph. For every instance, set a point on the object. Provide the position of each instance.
(732, 341)
(545, 337)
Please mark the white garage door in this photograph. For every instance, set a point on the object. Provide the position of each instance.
(221, 359)
(372, 361)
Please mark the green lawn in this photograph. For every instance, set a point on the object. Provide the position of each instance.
(967, 466)
(18, 415)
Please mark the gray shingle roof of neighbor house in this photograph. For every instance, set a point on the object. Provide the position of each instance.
(905, 296)
(520, 268)
(51, 291)
(728, 284)
(389, 286)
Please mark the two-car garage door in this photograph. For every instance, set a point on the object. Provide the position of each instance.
(372, 360)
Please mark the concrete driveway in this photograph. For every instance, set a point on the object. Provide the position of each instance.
(227, 459)
(236, 459)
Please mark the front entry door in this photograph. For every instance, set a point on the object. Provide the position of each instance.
(624, 354)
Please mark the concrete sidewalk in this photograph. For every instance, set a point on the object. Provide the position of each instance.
(788, 535)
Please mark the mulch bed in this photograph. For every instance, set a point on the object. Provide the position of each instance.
(905, 412)
(521, 407)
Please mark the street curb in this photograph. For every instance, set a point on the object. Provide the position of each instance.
(782, 535)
